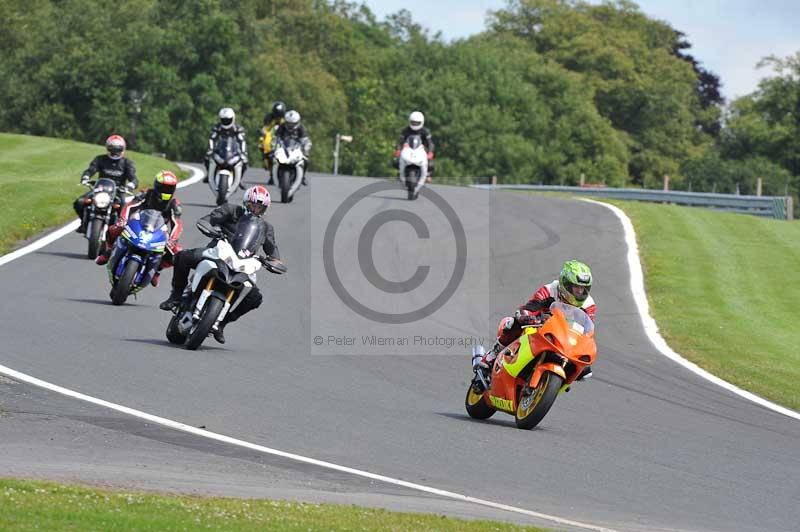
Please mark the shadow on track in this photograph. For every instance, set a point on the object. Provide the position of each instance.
(65, 254)
(158, 341)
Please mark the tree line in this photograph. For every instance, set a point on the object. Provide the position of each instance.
(550, 91)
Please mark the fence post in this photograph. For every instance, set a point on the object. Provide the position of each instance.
(789, 208)
(494, 180)
(583, 179)
(758, 186)
(666, 182)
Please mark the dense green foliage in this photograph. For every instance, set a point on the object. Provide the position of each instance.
(551, 90)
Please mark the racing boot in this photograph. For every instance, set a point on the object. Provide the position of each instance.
(172, 301)
(487, 361)
(219, 332)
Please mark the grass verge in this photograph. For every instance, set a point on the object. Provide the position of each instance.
(39, 181)
(29, 505)
(722, 289)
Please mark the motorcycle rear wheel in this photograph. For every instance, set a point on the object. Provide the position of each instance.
(476, 405)
(173, 335)
(122, 288)
(533, 406)
(208, 317)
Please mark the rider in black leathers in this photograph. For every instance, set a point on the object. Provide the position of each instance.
(227, 127)
(292, 128)
(224, 217)
(113, 165)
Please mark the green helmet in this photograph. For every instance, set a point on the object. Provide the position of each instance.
(574, 283)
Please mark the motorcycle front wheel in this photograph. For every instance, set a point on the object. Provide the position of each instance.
(222, 191)
(285, 183)
(122, 288)
(208, 317)
(534, 403)
(412, 176)
(93, 234)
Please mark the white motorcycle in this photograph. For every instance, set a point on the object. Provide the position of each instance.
(413, 165)
(220, 282)
(291, 167)
(228, 165)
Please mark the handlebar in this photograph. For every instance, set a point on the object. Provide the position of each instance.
(210, 230)
(273, 265)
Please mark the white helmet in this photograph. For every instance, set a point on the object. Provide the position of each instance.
(416, 120)
(226, 117)
(292, 120)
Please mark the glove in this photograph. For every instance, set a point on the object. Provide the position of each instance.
(130, 186)
(84, 180)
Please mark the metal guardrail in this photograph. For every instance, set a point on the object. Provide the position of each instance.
(779, 207)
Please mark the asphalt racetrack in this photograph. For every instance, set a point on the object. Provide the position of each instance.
(644, 445)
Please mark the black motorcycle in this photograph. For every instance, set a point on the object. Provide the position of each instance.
(101, 209)
(226, 156)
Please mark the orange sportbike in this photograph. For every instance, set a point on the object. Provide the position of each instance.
(529, 373)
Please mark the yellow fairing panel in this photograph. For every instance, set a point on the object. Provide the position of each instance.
(516, 363)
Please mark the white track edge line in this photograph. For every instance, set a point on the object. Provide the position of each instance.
(651, 327)
(291, 456)
(197, 176)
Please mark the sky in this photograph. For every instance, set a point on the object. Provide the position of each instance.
(728, 36)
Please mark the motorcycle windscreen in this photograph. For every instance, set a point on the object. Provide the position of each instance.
(105, 185)
(414, 142)
(291, 143)
(151, 220)
(578, 320)
(249, 237)
(226, 147)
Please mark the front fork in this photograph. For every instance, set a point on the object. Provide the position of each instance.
(201, 301)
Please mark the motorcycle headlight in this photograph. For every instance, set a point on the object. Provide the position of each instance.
(102, 199)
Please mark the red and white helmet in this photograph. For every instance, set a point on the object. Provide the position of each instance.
(256, 200)
(115, 145)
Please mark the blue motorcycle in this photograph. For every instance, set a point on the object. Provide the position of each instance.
(137, 254)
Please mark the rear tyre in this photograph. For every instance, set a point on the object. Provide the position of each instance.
(207, 319)
(95, 227)
(476, 405)
(534, 403)
(122, 288)
(173, 334)
(222, 191)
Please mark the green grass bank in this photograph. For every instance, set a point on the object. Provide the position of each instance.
(28, 505)
(39, 181)
(723, 289)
